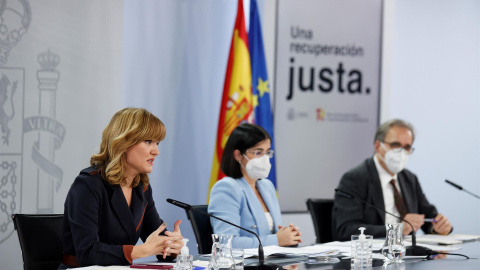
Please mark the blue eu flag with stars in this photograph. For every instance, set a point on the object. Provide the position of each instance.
(260, 87)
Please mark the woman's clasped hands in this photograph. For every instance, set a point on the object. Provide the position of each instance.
(157, 244)
(288, 236)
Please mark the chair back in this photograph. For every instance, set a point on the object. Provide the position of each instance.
(201, 228)
(40, 239)
(321, 212)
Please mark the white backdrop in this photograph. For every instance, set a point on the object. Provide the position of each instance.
(67, 66)
(432, 78)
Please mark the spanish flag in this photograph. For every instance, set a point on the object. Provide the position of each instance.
(236, 106)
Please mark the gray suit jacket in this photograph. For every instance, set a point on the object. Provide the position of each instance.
(363, 182)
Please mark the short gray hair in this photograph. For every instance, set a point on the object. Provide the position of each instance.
(383, 129)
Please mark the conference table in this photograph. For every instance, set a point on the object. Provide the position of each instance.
(449, 262)
(470, 249)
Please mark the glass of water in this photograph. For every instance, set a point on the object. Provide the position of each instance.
(394, 248)
(238, 257)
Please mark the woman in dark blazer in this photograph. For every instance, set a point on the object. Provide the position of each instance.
(110, 206)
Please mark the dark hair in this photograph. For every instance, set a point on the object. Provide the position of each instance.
(385, 127)
(243, 137)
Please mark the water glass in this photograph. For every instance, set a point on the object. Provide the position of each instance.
(238, 257)
(394, 248)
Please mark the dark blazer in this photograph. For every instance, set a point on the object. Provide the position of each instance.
(99, 227)
(363, 182)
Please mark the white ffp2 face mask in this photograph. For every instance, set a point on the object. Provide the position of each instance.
(395, 160)
(258, 168)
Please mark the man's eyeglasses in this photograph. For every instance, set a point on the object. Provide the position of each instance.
(260, 153)
(397, 147)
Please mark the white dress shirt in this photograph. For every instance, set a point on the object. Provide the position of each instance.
(387, 189)
(270, 221)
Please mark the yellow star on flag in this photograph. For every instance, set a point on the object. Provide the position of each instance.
(255, 101)
(262, 87)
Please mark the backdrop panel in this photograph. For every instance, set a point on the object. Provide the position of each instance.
(60, 70)
(327, 93)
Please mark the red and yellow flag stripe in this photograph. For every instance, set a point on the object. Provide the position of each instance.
(236, 106)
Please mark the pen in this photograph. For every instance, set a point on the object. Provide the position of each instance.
(429, 220)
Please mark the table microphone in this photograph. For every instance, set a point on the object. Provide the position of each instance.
(461, 188)
(412, 250)
(261, 265)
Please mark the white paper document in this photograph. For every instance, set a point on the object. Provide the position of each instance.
(436, 247)
(317, 250)
(451, 239)
(437, 239)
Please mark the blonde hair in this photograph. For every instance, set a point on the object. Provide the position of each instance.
(127, 127)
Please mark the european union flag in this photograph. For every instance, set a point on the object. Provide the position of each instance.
(260, 88)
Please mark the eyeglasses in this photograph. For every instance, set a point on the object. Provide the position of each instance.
(397, 147)
(260, 153)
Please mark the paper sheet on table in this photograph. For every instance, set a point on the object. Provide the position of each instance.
(317, 250)
(437, 239)
(200, 263)
(345, 246)
(97, 267)
(451, 239)
(436, 247)
(464, 237)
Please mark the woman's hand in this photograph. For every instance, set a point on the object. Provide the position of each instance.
(154, 244)
(157, 244)
(174, 243)
(288, 236)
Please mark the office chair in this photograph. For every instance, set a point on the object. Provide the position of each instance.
(321, 212)
(201, 228)
(40, 239)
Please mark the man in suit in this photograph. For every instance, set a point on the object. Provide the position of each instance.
(383, 182)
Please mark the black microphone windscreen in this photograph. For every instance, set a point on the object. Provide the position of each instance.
(183, 205)
(453, 184)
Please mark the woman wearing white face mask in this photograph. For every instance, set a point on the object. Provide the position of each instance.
(244, 197)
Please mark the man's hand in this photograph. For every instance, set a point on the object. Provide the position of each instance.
(442, 225)
(415, 219)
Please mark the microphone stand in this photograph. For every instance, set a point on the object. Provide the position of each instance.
(412, 250)
(461, 188)
(261, 265)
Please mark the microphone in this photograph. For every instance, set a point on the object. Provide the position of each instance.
(412, 250)
(181, 204)
(261, 265)
(461, 188)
